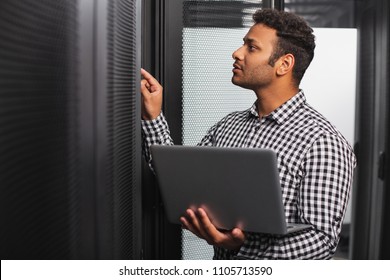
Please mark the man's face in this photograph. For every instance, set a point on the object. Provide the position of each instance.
(251, 69)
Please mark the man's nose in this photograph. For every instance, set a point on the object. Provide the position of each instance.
(237, 54)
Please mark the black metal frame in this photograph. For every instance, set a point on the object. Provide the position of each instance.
(161, 237)
(370, 221)
(385, 234)
(88, 230)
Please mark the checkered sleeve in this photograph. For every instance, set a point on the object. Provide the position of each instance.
(208, 139)
(154, 132)
(327, 171)
(324, 192)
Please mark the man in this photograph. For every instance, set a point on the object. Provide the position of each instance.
(315, 161)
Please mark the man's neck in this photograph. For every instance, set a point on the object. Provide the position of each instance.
(270, 99)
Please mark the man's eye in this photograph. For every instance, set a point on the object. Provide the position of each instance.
(251, 48)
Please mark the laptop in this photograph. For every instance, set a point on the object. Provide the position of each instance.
(238, 187)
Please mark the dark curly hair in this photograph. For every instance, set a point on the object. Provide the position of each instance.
(295, 36)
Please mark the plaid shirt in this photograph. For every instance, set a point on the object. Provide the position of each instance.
(316, 168)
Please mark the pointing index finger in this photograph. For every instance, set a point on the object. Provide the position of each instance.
(151, 80)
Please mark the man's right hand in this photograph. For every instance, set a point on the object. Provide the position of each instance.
(151, 91)
(199, 223)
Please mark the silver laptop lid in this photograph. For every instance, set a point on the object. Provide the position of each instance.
(238, 187)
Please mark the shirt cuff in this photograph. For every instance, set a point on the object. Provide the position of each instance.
(155, 126)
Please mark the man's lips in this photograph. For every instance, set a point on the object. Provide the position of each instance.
(236, 67)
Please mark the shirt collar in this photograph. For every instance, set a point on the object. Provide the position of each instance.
(283, 112)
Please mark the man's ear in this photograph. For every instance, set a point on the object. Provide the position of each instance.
(285, 64)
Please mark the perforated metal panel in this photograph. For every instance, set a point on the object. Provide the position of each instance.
(38, 130)
(122, 125)
(69, 116)
(117, 129)
(213, 30)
